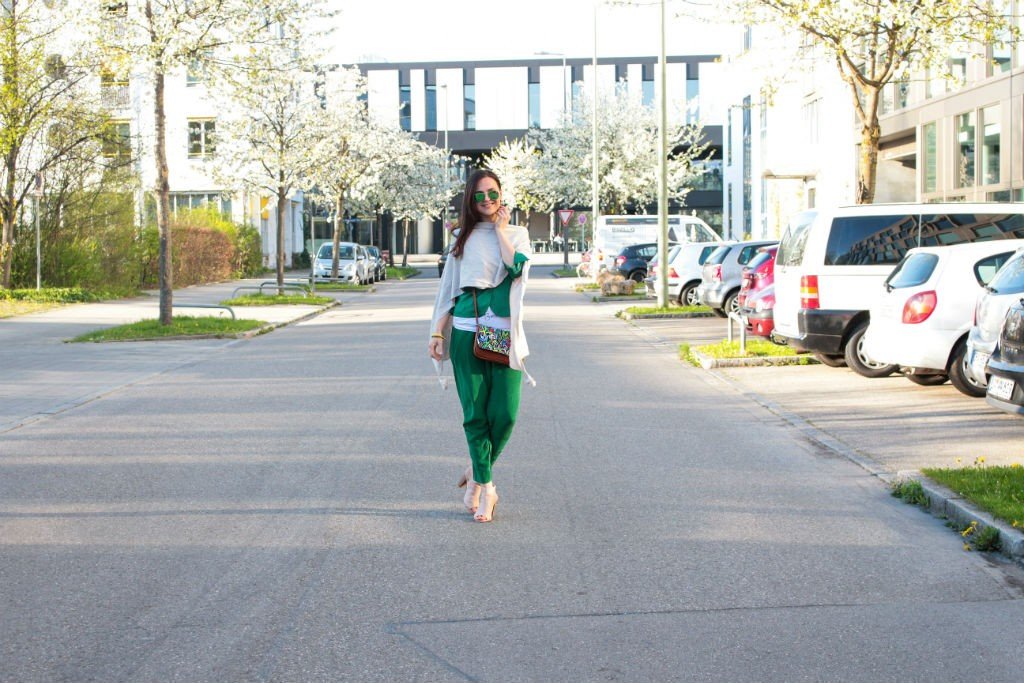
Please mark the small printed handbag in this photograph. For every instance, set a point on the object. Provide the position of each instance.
(490, 343)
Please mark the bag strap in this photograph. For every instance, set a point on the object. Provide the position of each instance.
(476, 312)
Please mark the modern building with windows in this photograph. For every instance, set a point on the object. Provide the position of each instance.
(471, 107)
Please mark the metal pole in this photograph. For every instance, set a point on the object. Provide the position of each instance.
(447, 176)
(662, 282)
(39, 249)
(595, 190)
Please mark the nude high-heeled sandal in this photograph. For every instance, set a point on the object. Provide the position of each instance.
(471, 499)
(488, 503)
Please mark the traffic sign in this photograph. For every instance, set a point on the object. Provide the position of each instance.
(565, 215)
(583, 218)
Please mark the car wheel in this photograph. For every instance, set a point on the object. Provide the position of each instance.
(719, 312)
(830, 360)
(960, 375)
(637, 276)
(688, 296)
(929, 380)
(860, 363)
(732, 304)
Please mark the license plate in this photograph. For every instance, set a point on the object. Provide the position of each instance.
(1000, 387)
(978, 363)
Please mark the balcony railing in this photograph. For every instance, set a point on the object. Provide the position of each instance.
(115, 97)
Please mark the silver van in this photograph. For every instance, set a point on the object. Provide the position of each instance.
(831, 263)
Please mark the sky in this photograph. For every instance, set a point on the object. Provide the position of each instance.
(460, 30)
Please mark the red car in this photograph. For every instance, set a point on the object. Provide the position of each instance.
(758, 274)
(757, 312)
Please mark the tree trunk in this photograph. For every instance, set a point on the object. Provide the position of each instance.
(339, 206)
(405, 243)
(10, 206)
(867, 165)
(282, 197)
(162, 197)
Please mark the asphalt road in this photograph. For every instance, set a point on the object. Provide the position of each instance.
(284, 509)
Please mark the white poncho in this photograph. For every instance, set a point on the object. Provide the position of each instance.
(481, 266)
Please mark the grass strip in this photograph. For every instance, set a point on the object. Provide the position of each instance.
(181, 326)
(342, 287)
(274, 299)
(655, 310)
(402, 273)
(565, 272)
(996, 489)
(11, 309)
(62, 295)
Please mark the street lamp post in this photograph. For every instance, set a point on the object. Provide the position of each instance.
(595, 190)
(662, 282)
(447, 175)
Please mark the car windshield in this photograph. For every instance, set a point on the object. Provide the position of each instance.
(1010, 278)
(912, 271)
(345, 252)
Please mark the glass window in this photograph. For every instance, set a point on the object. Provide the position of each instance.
(964, 172)
(469, 106)
(990, 121)
(870, 240)
(692, 100)
(794, 240)
(956, 228)
(704, 253)
(986, 268)
(534, 96)
(1010, 278)
(117, 140)
(201, 138)
(931, 168)
(717, 257)
(405, 107)
(647, 97)
(759, 259)
(431, 107)
(345, 252)
(747, 253)
(912, 271)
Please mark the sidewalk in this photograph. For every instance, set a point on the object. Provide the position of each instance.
(43, 375)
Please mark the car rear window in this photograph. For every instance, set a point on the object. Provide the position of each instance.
(1010, 278)
(748, 253)
(718, 255)
(704, 253)
(759, 259)
(912, 271)
(986, 268)
(794, 241)
(870, 240)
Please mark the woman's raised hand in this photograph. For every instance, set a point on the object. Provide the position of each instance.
(502, 218)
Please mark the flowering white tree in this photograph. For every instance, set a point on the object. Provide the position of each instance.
(516, 162)
(352, 148)
(271, 125)
(47, 115)
(627, 152)
(160, 37)
(424, 187)
(875, 42)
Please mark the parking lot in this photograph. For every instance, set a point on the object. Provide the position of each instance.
(890, 422)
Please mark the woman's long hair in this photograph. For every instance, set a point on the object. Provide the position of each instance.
(468, 215)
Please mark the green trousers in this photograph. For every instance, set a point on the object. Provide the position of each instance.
(489, 394)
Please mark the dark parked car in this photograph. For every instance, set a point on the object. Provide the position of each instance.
(442, 258)
(631, 263)
(380, 269)
(1006, 381)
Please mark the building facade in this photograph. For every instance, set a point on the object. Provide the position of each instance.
(471, 107)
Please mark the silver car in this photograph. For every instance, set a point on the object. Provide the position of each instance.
(353, 263)
(1003, 291)
(722, 275)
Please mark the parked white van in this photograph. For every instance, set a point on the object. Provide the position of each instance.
(831, 263)
(612, 233)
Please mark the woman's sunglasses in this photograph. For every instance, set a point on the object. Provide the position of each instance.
(479, 197)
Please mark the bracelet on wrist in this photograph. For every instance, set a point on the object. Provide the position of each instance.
(437, 336)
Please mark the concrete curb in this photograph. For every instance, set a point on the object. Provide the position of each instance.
(248, 334)
(708, 363)
(946, 504)
(618, 297)
(652, 316)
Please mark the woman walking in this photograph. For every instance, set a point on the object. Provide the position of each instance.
(482, 290)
